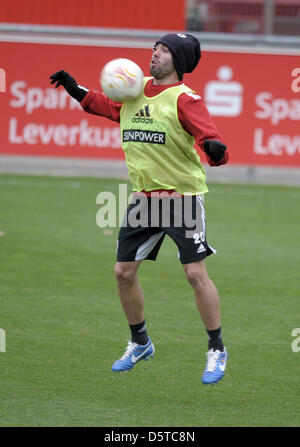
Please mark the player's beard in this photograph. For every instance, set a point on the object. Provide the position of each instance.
(159, 71)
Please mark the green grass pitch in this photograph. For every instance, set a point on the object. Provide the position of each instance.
(64, 325)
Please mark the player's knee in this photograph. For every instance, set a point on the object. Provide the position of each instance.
(196, 276)
(192, 277)
(123, 273)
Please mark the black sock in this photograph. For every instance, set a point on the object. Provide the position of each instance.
(215, 339)
(139, 333)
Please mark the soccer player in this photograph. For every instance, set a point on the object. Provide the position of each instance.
(159, 130)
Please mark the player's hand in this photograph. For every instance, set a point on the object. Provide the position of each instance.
(63, 78)
(68, 82)
(214, 149)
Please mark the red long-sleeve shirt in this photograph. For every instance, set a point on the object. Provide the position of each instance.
(192, 113)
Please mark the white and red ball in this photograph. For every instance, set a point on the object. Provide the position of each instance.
(122, 80)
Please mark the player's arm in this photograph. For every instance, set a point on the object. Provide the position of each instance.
(98, 103)
(196, 120)
(91, 101)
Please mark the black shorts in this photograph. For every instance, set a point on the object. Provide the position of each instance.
(149, 219)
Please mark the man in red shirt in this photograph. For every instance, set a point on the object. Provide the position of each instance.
(173, 55)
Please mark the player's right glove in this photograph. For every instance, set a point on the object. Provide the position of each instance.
(214, 149)
(68, 82)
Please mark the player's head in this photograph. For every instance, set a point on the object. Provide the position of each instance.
(185, 50)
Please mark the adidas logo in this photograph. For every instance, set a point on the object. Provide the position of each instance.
(143, 116)
(144, 112)
(201, 248)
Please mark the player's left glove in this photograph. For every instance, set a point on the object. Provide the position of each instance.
(214, 149)
(68, 82)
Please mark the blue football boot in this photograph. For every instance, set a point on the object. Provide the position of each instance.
(133, 354)
(215, 366)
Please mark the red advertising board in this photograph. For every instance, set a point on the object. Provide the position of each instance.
(254, 100)
(133, 14)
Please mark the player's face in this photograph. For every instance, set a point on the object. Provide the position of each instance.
(161, 64)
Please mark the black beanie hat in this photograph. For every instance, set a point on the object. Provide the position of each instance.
(185, 50)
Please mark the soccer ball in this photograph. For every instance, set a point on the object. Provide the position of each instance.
(122, 80)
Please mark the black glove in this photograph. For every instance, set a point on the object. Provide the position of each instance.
(63, 78)
(214, 149)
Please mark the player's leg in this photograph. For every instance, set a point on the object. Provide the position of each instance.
(193, 250)
(132, 300)
(208, 303)
(130, 291)
(206, 294)
(135, 243)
